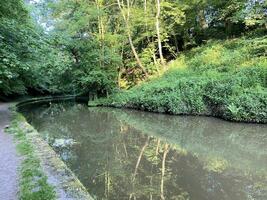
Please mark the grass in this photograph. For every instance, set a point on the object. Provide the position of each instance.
(33, 181)
(227, 79)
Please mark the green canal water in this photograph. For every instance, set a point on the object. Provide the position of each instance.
(126, 154)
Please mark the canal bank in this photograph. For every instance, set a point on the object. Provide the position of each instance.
(40, 173)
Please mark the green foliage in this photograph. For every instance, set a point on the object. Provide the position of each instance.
(211, 81)
(13, 54)
(14, 9)
(82, 47)
(33, 61)
(28, 60)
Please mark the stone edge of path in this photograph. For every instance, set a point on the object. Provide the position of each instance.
(65, 182)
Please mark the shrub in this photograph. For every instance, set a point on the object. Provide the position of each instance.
(220, 79)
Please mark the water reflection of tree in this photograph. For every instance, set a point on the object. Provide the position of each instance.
(116, 161)
(214, 161)
(239, 145)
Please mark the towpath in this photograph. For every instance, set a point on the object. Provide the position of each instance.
(9, 160)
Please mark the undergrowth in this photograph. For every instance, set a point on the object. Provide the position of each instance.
(227, 79)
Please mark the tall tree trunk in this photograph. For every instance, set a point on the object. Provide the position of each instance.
(151, 186)
(120, 68)
(136, 55)
(128, 31)
(145, 11)
(148, 39)
(157, 148)
(101, 32)
(166, 150)
(140, 157)
(158, 34)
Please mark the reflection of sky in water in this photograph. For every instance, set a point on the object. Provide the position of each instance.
(125, 154)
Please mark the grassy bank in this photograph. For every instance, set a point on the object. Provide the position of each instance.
(33, 182)
(227, 79)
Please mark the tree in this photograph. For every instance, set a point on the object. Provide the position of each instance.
(158, 33)
(126, 17)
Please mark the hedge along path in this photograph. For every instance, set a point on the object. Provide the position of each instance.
(9, 160)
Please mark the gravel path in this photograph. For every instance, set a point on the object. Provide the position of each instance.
(9, 161)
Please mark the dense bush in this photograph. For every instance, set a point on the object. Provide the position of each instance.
(36, 61)
(30, 60)
(209, 80)
(23, 65)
